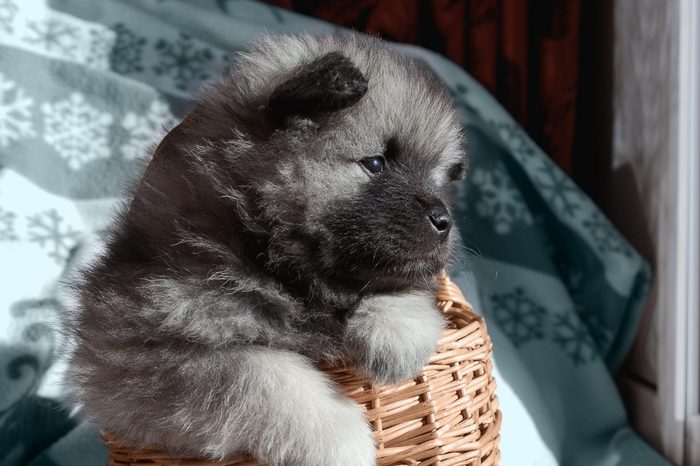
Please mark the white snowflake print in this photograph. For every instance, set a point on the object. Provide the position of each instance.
(558, 189)
(520, 318)
(15, 112)
(48, 231)
(498, 200)
(145, 130)
(101, 43)
(573, 337)
(516, 139)
(53, 36)
(77, 130)
(7, 225)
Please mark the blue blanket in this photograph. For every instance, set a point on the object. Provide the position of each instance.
(87, 86)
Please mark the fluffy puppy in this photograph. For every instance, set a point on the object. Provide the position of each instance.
(297, 215)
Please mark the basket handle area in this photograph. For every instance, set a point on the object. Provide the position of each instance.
(452, 303)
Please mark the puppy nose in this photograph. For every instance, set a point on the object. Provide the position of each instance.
(440, 219)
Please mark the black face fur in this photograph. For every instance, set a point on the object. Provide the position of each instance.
(396, 229)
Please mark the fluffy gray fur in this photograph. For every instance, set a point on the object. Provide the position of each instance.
(258, 244)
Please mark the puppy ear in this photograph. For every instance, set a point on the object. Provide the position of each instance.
(327, 84)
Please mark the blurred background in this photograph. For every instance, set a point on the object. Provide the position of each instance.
(579, 216)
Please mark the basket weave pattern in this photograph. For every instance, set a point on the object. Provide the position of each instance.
(447, 415)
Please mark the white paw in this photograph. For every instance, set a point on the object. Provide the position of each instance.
(391, 337)
(337, 435)
(285, 412)
(347, 439)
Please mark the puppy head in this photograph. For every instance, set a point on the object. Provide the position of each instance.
(339, 152)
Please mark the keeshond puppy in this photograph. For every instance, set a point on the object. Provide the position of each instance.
(299, 214)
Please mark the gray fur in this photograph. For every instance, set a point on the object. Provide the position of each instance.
(257, 245)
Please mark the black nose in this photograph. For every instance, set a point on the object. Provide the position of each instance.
(440, 219)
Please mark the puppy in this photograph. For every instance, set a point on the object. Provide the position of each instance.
(298, 214)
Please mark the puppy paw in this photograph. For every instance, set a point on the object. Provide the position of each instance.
(285, 412)
(391, 337)
(336, 434)
(347, 440)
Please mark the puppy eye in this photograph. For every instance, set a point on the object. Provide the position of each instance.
(374, 165)
(456, 172)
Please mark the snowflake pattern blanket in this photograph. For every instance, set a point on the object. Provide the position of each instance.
(86, 86)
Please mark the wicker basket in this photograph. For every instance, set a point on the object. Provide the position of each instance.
(448, 415)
